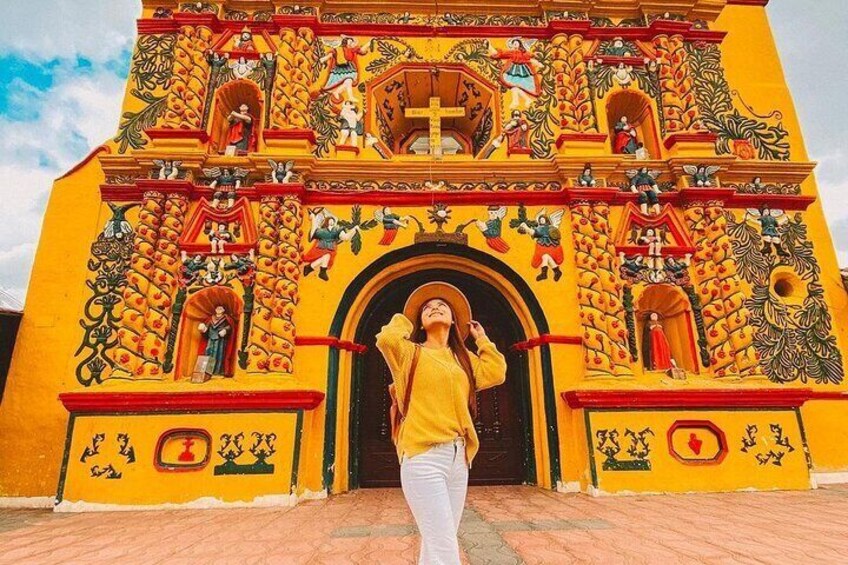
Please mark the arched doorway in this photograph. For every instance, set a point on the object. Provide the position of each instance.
(543, 466)
(503, 422)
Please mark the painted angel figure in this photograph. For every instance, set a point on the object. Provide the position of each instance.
(587, 179)
(326, 232)
(618, 48)
(519, 72)
(391, 224)
(191, 268)
(242, 67)
(492, 228)
(545, 232)
(343, 62)
(225, 183)
(117, 227)
(702, 175)
(282, 172)
(350, 124)
(769, 220)
(623, 75)
(644, 183)
(168, 170)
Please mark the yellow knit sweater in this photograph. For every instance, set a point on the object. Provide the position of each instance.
(438, 410)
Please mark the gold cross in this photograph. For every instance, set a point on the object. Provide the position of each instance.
(435, 113)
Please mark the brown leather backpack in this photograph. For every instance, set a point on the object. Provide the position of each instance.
(396, 414)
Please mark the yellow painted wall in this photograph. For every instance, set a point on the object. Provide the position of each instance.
(33, 422)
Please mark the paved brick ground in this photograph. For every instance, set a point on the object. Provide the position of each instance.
(501, 525)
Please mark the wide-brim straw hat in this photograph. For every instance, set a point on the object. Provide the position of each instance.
(447, 292)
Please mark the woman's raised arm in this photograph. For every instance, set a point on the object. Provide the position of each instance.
(397, 349)
(489, 364)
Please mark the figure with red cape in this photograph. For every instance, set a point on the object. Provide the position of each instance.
(625, 141)
(391, 224)
(545, 232)
(655, 348)
(491, 229)
(343, 63)
(217, 342)
(241, 136)
(519, 71)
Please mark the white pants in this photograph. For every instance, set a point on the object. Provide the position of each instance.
(434, 484)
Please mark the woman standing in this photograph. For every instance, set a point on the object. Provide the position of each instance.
(437, 441)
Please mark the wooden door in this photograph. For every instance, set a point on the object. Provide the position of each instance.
(502, 410)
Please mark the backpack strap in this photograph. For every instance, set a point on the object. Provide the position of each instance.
(409, 380)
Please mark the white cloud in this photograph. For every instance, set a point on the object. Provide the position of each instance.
(42, 30)
(78, 113)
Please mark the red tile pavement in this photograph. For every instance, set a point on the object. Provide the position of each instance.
(501, 525)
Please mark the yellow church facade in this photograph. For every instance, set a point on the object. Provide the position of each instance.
(620, 187)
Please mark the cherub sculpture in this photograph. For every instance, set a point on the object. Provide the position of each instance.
(282, 172)
(702, 175)
(168, 170)
(117, 227)
(769, 221)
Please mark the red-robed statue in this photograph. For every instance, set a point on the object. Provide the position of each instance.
(241, 136)
(655, 348)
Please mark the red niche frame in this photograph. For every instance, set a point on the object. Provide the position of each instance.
(182, 433)
(698, 425)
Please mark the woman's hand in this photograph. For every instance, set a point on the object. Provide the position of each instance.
(475, 329)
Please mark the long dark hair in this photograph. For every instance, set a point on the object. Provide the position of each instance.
(457, 346)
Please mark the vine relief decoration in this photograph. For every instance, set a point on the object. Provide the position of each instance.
(747, 135)
(792, 337)
(111, 255)
(151, 73)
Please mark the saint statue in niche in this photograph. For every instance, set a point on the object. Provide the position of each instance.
(519, 71)
(241, 136)
(244, 41)
(217, 343)
(656, 350)
(625, 141)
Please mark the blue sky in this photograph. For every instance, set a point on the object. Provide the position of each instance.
(62, 85)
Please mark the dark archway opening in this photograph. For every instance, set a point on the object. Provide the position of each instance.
(503, 425)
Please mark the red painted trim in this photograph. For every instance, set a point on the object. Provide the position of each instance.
(219, 401)
(165, 186)
(518, 151)
(94, 153)
(177, 133)
(698, 425)
(181, 432)
(694, 194)
(612, 196)
(426, 198)
(157, 25)
(204, 249)
(702, 398)
(828, 395)
(667, 250)
(547, 339)
(782, 201)
(348, 148)
(582, 27)
(295, 134)
(580, 138)
(330, 341)
(271, 189)
(762, 3)
(704, 137)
